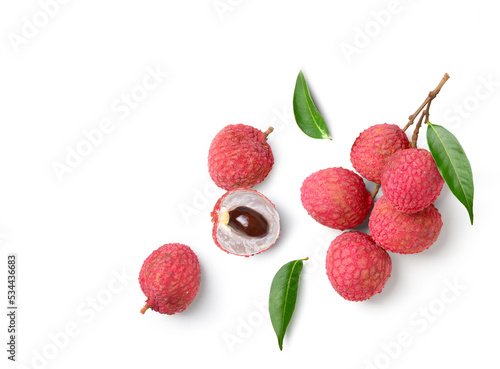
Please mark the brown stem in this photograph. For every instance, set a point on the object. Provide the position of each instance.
(414, 138)
(268, 132)
(375, 191)
(427, 112)
(145, 308)
(432, 95)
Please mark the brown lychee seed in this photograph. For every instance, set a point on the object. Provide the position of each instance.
(248, 222)
(245, 223)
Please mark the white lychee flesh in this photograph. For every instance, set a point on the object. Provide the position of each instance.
(235, 242)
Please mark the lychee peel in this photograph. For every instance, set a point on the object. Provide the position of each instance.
(233, 242)
(239, 157)
(336, 198)
(411, 180)
(356, 267)
(170, 278)
(374, 146)
(404, 233)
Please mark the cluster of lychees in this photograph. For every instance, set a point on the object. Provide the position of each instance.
(246, 223)
(403, 220)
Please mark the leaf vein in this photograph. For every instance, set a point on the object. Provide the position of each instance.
(286, 294)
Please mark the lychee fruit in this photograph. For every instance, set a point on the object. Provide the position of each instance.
(336, 198)
(245, 222)
(356, 267)
(402, 232)
(374, 146)
(240, 157)
(411, 180)
(170, 279)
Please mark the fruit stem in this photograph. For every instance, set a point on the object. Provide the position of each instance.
(432, 95)
(145, 308)
(268, 132)
(375, 191)
(417, 127)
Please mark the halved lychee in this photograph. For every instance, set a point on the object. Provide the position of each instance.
(245, 222)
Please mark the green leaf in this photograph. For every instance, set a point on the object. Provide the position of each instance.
(307, 116)
(452, 164)
(283, 296)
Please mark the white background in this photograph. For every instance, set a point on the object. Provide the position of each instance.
(146, 182)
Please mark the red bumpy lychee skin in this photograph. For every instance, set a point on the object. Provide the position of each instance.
(374, 146)
(411, 180)
(402, 232)
(239, 157)
(170, 279)
(336, 198)
(356, 267)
